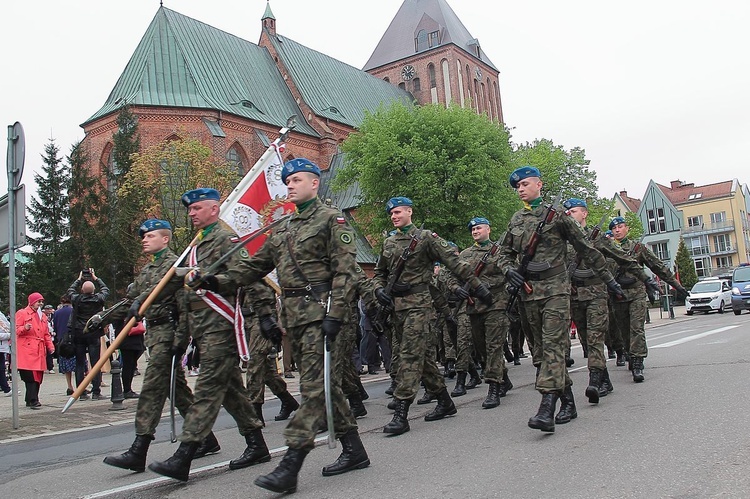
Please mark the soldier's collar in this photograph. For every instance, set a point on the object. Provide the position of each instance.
(406, 228)
(482, 244)
(207, 230)
(534, 204)
(303, 206)
(158, 254)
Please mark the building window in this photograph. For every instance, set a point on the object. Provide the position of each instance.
(113, 172)
(433, 39)
(402, 85)
(697, 195)
(696, 221)
(651, 221)
(233, 156)
(431, 71)
(702, 267)
(420, 42)
(417, 85)
(723, 262)
(661, 250)
(722, 243)
(662, 222)
(718, 217)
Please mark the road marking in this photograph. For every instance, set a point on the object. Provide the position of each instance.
(694, 337)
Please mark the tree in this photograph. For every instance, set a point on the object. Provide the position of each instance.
(126, 143)
(453, 163)
(635, 225)
(565, 172)
(161, 174)
(49, 263)
(685, 266)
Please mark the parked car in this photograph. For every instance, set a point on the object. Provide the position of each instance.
(710, 294)
(741, 289)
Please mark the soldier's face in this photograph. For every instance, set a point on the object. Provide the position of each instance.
(154, 241)
(620, 231)
(203, 213)
(529, 189)
(301, 187)
(579, 214)
(401, 216)
(480, 232)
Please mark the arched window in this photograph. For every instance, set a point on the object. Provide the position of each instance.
(417, 85)
(431, 71)
(110, 168)
(235, 157)
(420, 42)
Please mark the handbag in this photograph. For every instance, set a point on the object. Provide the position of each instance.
(66, 347)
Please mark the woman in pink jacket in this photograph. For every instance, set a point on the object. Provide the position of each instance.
(34, 341)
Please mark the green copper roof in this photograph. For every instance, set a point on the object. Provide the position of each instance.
(181, 62)
(268, 14)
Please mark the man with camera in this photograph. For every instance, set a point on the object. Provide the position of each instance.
(86, 303)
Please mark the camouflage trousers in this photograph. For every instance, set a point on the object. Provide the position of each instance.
(490, 331)
(613, 339)
(417, 357)
(630, 317)
(308, 351)
(219, 383)
(344, 371)
(261, 371)
(395, 343)
(549, 322)
(592, 320)
(534, 347)
(464, 342)
(155, 389)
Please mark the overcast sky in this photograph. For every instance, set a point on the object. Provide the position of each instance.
(650, 89)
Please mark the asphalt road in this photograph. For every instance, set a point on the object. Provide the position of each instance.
(681, 433)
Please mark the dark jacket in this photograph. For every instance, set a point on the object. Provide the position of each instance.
(85, 305)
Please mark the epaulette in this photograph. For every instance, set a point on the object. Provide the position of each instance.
(434, 234)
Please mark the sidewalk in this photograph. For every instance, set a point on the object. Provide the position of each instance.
(661, 318)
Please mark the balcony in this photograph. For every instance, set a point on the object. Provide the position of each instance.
(710, 228)
(699, 251)
(726, 250)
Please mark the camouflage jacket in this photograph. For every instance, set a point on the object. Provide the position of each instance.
(547, 271)
(419, 267)
(492, 276)
(323, 246)
(628, 278)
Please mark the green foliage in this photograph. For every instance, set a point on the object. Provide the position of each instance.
(453, 163)
(636, 226)
(685, 266)
(126, 142)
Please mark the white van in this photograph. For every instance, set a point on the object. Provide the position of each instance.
(709, 294)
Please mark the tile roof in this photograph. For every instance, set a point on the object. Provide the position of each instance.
(688, 193)
(632, 203)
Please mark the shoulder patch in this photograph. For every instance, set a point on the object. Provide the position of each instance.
(346, 238)
(244, 253)
(357, 269)
(443, 243)
(340, 220)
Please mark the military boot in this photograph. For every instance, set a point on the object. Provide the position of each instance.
(493, 395)
(400, 422)
(445, 407)
(288, 405)
(356, 406)
(134, 458)
(259, 413)
(545, 417)
(353, 455)
(177, 466)
(505, 385)
(451, 368)
(567, 407)
(460, 388)
(508, 354)
(362, 392)
(209, 445)
(595, 381)
(426, 398)
(256, 451)
(389, 391)
(637, 363)
(620, 358)
(283, 480)
(585, 349)
(474, 379)
(606, 387)
(569, 361)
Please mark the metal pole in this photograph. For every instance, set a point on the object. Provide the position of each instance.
(12, 270)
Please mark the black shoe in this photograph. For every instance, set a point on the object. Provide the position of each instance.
(133, 459)
(545, 417)
(523, 355)
(288, 405)
(372, 371)
(567, 407)
(69, 391)
(35, 405)
(256, 451)
(493, 396)
(84, 396)
(569, 361)
(356, 406)
(516, 360)
(400, 422)
(474, 378)
(209, 445)
(611, 354)
(389, 391)
(426, 398)
(637, 363)
(620, 359)
(353, 456)
(460, 388)
(96, 396)
(131, 395)
(283, 480)
(177, 466)
(593, 390)
(445, 407)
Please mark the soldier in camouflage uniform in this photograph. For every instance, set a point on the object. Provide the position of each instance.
(220, 380)
(314, 257)
(630, 313)
(164, 340)
(489, 324)
(547, 306)
(445, 324)
(412, 309)
(588, 305)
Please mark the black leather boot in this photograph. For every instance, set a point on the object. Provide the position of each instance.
(353, 455)
(400, 422)
(389, 391)
(210, 445)
(606, 387)
(567, 407)
(426, 398)
(451, 369)
(362, 392)
(637, 363)
(493, 395)
(620, 358)
(585, 349)
(356, 406)
(508, 354)
(595, 381)
(545, 417)
(288, 405)
(505, 385)
(259, 413)
(460, 388)
(283, 480)
(445, 407)
(177, 466)
(134, 458)
(256, 451)
(474, 379)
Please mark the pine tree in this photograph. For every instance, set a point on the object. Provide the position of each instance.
(685, 266)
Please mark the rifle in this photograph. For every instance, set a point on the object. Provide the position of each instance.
(478, 269)
(530, 251)
(102, 318)
(383, 314)
(579, 257)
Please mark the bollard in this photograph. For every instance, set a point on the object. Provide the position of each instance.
(117, 396)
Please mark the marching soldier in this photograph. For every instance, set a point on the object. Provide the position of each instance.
(547, 305)
(314, 257)
(211, 321)
(630, 313)
(411, 303)
(489, 323)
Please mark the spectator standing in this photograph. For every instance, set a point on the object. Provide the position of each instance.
(4, 352)
(131, 350)
(66, 360)
(33, 344)
(85, 304)
(48, 310)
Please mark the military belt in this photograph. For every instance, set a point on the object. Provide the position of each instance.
(319, 287)
(546, 274)
(158, 321)
(581, 283)
(627, 282)
(419, 288)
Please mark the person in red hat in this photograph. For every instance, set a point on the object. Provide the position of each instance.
(34, 341)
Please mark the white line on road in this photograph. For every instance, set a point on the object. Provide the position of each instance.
(694, 337)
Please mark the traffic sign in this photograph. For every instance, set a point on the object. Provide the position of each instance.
(20, 217)
(16, 153)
